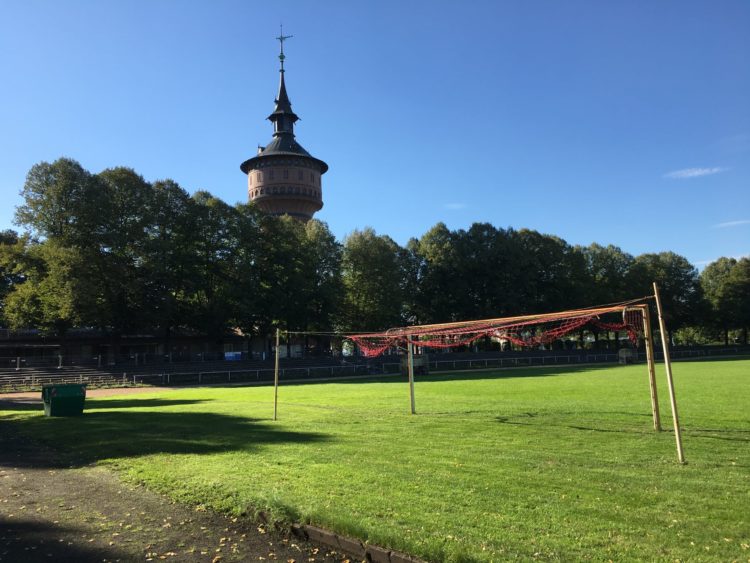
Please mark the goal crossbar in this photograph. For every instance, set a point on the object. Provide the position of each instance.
(517, 329)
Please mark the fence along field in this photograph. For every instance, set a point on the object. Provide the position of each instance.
(547, 462)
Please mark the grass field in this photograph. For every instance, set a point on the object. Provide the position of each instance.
(549, 463)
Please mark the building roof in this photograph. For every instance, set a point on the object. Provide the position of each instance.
(283, 105)
(283, 118)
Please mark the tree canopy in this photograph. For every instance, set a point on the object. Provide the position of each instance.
(113, 251)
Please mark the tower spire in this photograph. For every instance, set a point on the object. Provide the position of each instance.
(283, 117)
(281, 38)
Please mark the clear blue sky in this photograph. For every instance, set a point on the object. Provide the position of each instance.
(616, 122)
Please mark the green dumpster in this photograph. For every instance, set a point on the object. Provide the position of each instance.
(63, 400)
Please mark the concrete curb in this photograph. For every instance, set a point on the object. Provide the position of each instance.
(367, 552)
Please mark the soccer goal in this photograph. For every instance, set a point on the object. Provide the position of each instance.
(632, 317)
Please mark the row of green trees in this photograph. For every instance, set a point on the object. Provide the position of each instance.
(485, 272)
(115, 252)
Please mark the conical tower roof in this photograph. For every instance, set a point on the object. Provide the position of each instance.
(283, 118)
(283, 105)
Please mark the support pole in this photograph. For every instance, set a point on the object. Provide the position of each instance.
(276, 377)
(410, 355)
(670, 383)
(649, 342)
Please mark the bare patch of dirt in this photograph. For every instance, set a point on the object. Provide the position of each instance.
(36, 396)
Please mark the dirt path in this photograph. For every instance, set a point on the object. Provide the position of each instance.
(36, 396)
(52, 512)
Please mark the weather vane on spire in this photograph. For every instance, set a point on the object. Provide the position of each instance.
(281, 39)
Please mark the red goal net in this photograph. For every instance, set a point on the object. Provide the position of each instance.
(527, 331)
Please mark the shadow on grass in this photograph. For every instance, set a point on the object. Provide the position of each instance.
(745, 423)
(685, 431)
(31, 541)
(28, 404)
(700, 433)
(130, 403)
(526, 419)
(101, 434)
(21, 404)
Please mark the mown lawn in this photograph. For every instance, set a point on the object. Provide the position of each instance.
(549, 463)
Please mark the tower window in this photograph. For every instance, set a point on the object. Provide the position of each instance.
(286, 174)
(270, 175)
(300, 176)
